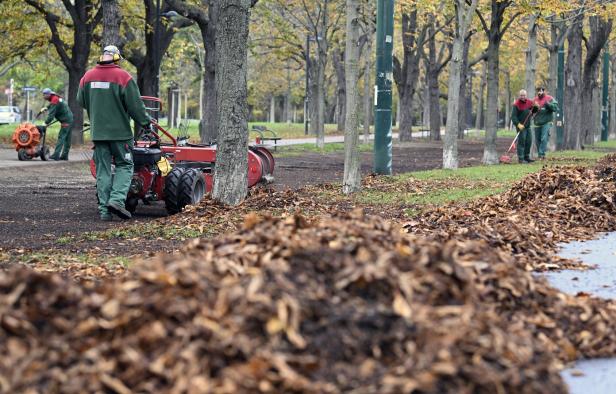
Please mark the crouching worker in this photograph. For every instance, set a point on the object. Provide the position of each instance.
(111, 97)
(58, 109)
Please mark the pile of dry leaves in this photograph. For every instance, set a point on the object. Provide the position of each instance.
(347, 303)
(554, 205)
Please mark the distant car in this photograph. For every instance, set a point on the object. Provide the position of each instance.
(9, 115)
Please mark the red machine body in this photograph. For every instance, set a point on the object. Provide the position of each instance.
(181, 173)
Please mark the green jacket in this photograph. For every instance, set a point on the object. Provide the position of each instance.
(520, 112)
(58, 109)
(547, 106)
(111, 97)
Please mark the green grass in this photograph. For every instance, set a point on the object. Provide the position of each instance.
(468, 183)
(145, 231)
(54, 258)
(611, 144)
(481, 134)
(435, 197)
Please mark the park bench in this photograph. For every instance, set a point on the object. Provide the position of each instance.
(262, 130)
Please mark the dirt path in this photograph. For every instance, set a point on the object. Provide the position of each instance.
(41, 204)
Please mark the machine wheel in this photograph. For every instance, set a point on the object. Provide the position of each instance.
(22, 155)
(131, 204)
(172, 190)
(44, 153)
(192, 188)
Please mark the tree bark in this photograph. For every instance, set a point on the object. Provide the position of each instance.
(433, 72)
(531, 57)
(573, 85)
(599, 32)
(495, 35)
(231, 170)
(406, 73)
(339, 66)
(613, 98)
(352, 176)
(508, 100)
(111, 22)
(464, 13)
(482, 87)
(368, 89)
(272, 109)
(464, 89)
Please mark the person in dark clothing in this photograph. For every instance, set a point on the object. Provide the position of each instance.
(58, 109)
(520, 116)
(111, 97)
(544, 107)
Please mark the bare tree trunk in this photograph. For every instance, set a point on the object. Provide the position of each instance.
(425, 107)
(464, 15)
(508, 100)
(596, 112)
(490, 156)
(482, 87)
(339, 66)
(464, 90)
(573, 87)
(272, 109)
(531, 71)
(368, 89)
(288, 115)
(613, 98)
(599, 32)
(231, 171)
(322, 49)
(111, 22)
(434, 93)
(352, 176)
(406, 74)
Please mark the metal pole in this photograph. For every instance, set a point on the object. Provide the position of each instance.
(384, 77)
(27, 105)
(307, 93)
(560, 95)
(605, 120)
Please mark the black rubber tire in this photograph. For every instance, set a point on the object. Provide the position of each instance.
(172, 190)
(23, 155)
(131, 204)
(192, 188)
(44, 153)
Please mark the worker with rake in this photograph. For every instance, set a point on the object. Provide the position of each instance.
(111, 97)
(520, 116)
(544, 107)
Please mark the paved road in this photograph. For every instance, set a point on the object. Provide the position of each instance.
(8, 158)
(596, 376)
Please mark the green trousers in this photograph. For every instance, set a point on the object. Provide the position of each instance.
(63, 146)
(524, 143)
(112, 186)
(542, 136)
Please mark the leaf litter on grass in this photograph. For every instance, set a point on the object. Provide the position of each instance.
(328, 304)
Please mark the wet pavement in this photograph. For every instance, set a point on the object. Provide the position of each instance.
(597, 376)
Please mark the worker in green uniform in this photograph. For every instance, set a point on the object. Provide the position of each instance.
(520, 117)
(544, 107)
(111, 97)
(58, 109)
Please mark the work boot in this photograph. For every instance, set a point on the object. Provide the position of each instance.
(529, 160)
(63, 158)
(118, 210)
(106, 217)
(52, 157)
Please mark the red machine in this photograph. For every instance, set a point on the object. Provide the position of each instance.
(26, 139)
(181, 173)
